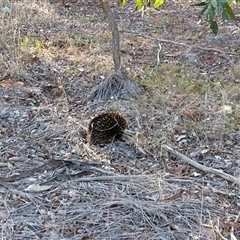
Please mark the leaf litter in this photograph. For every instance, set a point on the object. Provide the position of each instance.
(131, 188)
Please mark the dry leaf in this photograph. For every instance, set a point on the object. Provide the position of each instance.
(190, 115)
(175, 196)
(195, 174)
(72, 193)
(235, 225)
(225, 109)
(57, 198)
(86, 238)
(205, 151)
(141, 150)
(54, 90)
(144, 237)
(9, 83)
(209, 233)
(180, 137)
(181, 169)
(38, 188)
(154, 18)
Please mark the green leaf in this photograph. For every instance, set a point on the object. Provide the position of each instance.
(225, 15)
(204, 11)
(201, 4)
(230, 2)
(157, 3)
(214, 3)
(38, 44)
(25, 40)
(122, 2)
(230, 12)
(139, 4)
(214, 27)
(211, 13)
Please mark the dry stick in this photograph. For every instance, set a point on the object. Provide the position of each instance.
(110, 178)
(158, 56)
(126, 178)
(25, 195)
(3, 164)
(202, 167)
(181, 44)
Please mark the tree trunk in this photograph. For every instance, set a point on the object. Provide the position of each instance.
(117, 84)
(115, 34)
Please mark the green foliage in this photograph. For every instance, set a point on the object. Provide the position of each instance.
(122, 2)
(212, 8)
(25, 41)
(143, 4)
(79, 40)
(38, 44)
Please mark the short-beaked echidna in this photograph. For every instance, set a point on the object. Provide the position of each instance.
(105, 127)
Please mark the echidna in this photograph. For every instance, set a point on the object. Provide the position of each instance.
(105, 127)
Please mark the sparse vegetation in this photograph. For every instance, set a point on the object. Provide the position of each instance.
(52, 54)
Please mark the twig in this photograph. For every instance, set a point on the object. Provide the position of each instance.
(82, 126)
(24, 195)
(3, 164)
(126, 178)
(158, 56)
(181, 44)
(55, 165)
(202, 167)
(99, 169)
(111, 178)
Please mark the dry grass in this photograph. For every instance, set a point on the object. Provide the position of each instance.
(51, 57)
(133, 210)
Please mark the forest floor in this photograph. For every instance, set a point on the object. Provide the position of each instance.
(54, 185)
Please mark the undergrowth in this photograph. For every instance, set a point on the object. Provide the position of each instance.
(191, 100)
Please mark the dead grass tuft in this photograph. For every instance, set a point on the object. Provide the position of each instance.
(114, 86)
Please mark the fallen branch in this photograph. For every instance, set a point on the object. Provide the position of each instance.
(182, 44)
(53, 165)
(125, 178)
(2, 164)
(111, 178)
(201, 167)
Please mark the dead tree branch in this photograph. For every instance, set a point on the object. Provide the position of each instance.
(202, 167)
(160, 40)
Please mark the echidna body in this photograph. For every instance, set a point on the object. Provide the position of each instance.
(104, 127)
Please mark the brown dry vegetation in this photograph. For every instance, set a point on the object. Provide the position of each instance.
(51, 56)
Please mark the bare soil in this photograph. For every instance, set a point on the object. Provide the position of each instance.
(54, 185)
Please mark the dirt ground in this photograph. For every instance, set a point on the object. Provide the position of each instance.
(54, 185)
